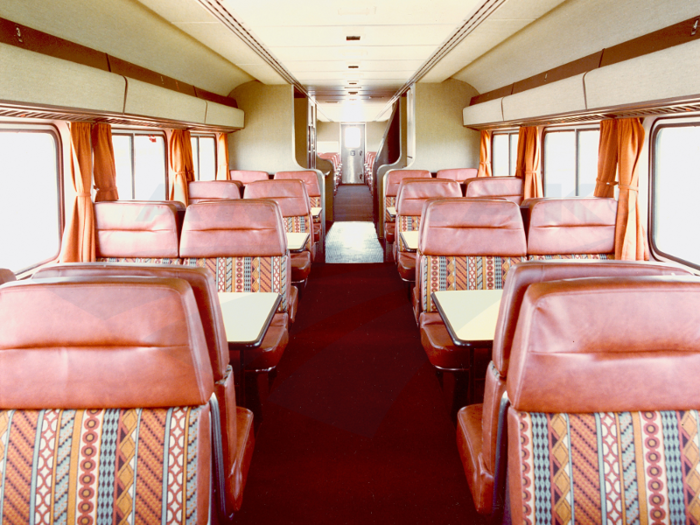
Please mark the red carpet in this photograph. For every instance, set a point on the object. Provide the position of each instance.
(353, 202)
(355, 430)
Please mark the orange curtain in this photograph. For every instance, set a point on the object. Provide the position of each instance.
(79, 236)
(528, 163)
(181, 165)
(105, 172)
(222, 171)
(485, 155)
(630, 237)
(607, 160)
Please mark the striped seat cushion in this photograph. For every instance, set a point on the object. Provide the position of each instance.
(316, 203)
(389, 201)
(248, 274)
(406, 223)
(584, 256)
(99, 466)
(299, 224)
(141, 260)
(627, 467)
(473, 272)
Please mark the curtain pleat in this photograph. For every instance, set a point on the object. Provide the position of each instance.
(79, 236)
(630, 237)
(222, 170)
(105, 171)
(181, 165)
(485, 155)
(607, 160)
(528, 162)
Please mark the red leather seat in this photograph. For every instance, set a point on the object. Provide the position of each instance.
(510, 188)
(391, 187)
(6, 276)
(480, 241)
(575, 228)
(247, 177)
(313, 188)
(111, 386)
(237, 437)
(477, 425)
(137, 231)
(411, 196)
(295, 206)
(604, 413)
(214, 190)
(461, 175)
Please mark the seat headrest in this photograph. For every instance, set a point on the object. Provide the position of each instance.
(6, 276)
(510, 188)
(309, 177)
(575, 225)
(458, 174)
(413, 193)
(290, 194)
(472, 227)
(201, 280)
(607, 345)
(203, 190)
(523, 275)
(242, 228)
(102, 343)
(248, 176)
(136, 229)
(394, 178)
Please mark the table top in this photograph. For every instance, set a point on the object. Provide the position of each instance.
(316, 211)
(470, 315)
(410, 240)
(297, 241)
(247, 316)
(391, 210)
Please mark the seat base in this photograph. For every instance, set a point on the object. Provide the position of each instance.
(301, 266)
(469, 444)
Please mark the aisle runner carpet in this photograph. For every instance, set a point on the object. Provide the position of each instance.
(353, 203)
(355, 430)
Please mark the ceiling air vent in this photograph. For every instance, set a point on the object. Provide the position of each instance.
(353, 67)
(352, 38)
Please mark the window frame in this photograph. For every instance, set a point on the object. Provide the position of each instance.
(140, 131)
(196, 162)
(657, 126)
(508, 133)
(52, 129)
(559, 129)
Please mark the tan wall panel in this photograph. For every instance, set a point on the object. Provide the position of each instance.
(33, 78)
(486, 112)
(551, 99)
(374, 133)
(220, 115)
(153, 101)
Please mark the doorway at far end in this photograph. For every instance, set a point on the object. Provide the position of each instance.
(352, 153)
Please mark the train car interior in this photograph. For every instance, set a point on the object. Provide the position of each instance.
(369, 262)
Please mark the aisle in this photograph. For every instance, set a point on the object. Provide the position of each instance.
(355, 430)
(353, 202)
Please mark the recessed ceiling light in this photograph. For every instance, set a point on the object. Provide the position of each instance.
(352, 92)
(352, 83)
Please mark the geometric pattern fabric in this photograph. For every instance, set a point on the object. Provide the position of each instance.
(573, 256)
(466, 272)
(406, 223)
(101, 466)
(627, 467)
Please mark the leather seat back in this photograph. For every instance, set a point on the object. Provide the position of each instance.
(136, 231)
(467, 244)
(393, 180)
(112, 380)
(607, 434)
(459, 174)
(574, 228)
(310, 181)
(6, 276)
(213, 190)
(510, 188)
(247, 177)
(242, 242)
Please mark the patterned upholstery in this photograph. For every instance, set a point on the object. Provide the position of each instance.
(390, 201)
(462, 273)
(99, 466)
(140, 260)
(583, 256)
(248, 274)
(646, 461)
(407, 223)
(299, 224)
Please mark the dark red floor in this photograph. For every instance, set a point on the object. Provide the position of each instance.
(355, 429)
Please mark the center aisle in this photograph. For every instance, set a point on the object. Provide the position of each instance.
(355, 429)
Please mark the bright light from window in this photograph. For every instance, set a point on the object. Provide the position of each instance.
(352, 137)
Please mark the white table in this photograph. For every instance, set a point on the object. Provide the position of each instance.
(316, 212)
(410, 240)
(247, 316)
(296, 242)
(470, 315)
(391, 211)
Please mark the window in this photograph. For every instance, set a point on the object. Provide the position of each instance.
(204, 157)
(140, 159)
(570, 162)
(675, 215)
(504, 154)
(30, 199)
